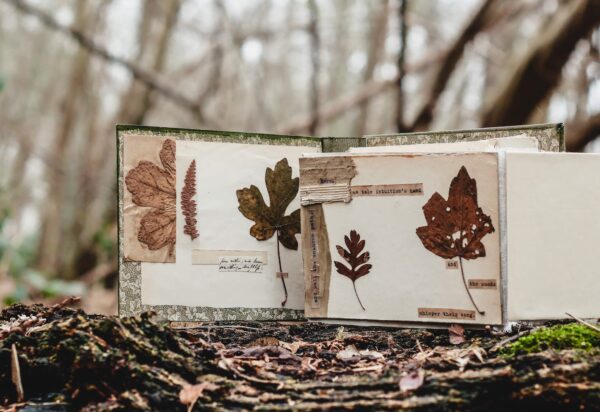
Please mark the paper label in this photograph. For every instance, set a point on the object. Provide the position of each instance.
(240, 264)
(214, 256)
(482, 284)
(314, 265)
(410, 189)
(443, 313)
(282, 275)
(452, 264)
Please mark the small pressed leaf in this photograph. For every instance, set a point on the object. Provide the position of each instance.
(352, 256)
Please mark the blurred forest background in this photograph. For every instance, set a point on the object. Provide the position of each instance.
(70, 70)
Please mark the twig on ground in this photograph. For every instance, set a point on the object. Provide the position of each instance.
(589, 325)
(510, 339)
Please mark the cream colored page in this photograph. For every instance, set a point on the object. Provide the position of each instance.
(405, 275)
(553, 233)
(223, 168)
(512, 143)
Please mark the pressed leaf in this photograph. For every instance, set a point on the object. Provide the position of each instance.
(188, 204)
(455, 227)
(282, 191)
(271, 219)
(154, 187)
(353, 256)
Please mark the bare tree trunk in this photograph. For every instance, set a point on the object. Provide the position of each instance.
(56, 209)
(315, 49)
(377, 34)
(403, 30)
(448, 64)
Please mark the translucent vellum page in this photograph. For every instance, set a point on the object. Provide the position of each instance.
(196, 278)
(407, 279)
(512, 143)
(553, 234)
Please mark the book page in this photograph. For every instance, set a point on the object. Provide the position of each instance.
(553, 235)
(395, 246)
(224, 202)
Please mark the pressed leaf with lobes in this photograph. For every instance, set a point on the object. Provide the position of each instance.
(154, 187)
(271, 220)
(455, 227)
(357, 260)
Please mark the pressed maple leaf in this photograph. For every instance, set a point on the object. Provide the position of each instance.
(188, 204)
(357, 260)
(271, 220)
(455, 227)
(154, 187)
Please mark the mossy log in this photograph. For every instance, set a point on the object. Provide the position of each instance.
(69, 360)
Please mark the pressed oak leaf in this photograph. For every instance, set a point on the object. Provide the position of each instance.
(271, 219)
(357, 260)
(154, 187)
(455, 227)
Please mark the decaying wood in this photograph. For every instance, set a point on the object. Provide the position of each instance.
(73, 361)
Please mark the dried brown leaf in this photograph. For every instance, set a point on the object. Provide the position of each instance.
(457, 334)
(188, 204)
(357, 260)
(412, 378)
(455, 227)
(154, 187)
(270, 219)
(190, 394)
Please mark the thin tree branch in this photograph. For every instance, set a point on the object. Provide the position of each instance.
(446, 67)
(350, 100)
(538, 72)
(403, 30)
(582, 132)
(315, 49)
(146, 77)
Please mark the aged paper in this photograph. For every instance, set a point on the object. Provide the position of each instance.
(225, 267)
(405, 281)
(146, 150)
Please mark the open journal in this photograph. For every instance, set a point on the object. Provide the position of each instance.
(210, 224)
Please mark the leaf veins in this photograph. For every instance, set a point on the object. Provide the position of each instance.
(270, 219)
(357, 260)
(455, 227)
(154, 187)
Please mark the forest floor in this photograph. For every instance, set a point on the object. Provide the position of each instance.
(58, 358)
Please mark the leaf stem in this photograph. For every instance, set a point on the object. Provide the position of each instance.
(361, 305)
(462, 272)
(281, 271)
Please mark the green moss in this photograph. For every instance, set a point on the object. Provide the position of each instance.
(559, 337)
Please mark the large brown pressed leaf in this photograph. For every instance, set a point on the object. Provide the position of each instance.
(357, 260)
(154, 187)
(455, 227)
(270, 220)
